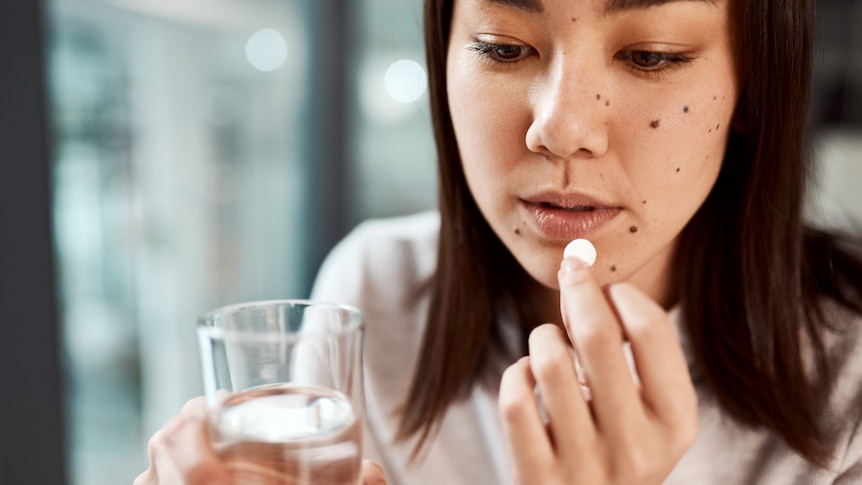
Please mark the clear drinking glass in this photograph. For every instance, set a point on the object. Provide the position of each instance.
(284, 391)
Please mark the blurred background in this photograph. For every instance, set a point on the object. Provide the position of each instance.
(205, 152)
(208, 152)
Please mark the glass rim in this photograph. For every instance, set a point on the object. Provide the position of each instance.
(205, 323)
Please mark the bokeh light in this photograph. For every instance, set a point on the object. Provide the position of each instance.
(405, 81)
(266, 50)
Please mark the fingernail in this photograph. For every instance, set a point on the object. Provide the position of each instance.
(573, 263)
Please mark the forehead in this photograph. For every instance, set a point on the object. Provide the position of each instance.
(535, 6)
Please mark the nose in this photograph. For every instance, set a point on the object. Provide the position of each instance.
(569, 116)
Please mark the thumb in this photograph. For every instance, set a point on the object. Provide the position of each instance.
(372, 473)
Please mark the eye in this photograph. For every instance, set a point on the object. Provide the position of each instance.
(653, 61)
(646, 60)
(501, 53)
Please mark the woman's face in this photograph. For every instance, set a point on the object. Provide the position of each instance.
(601, 119)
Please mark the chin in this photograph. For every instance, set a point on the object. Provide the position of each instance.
(543, 270)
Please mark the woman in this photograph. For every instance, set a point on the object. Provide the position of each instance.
(671, 133)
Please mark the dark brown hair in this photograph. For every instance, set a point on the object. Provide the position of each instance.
(749, 275)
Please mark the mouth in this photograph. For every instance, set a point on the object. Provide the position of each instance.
(577, 208)
(572, 201)
(563, 217)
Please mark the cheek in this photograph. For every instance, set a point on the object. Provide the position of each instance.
(681, 140)
(483, 118)
(470, 119)
(489, 127)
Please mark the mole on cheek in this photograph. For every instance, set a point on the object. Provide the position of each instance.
(598, 97)
(633, 229)
(608, 102)
(677, 169)
(517, 232)
(654, 123)
(685, 109)
(613, 268)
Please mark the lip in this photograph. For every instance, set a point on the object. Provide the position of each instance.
(566, 216)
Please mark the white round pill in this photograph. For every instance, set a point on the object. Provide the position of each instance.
(581, 249)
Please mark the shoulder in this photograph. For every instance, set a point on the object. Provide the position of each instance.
(380, 262)
(384, 268)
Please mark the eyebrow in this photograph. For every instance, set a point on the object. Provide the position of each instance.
(619, 5)
(535, 6)
(532, 6)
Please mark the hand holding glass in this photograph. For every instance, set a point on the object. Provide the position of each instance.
(284, 391)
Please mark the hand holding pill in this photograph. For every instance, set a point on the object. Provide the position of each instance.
(577, 437)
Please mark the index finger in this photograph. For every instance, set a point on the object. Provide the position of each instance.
(597, 337)
(188, 443)
(194, 408)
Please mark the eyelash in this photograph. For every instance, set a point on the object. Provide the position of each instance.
(666, 61)
(490, 52)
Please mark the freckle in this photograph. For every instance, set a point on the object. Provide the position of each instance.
(633, 229)
(714, 98)
(685, 109)
(517, 231)
(710, 130)
(677, 169)
(654, 123)
(598, 97)
(607, 102)
(707, 157)
(614, 268)
(644, 202)
(716, 126)
(574, 19)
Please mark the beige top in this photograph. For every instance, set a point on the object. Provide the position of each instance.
(382, 267)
